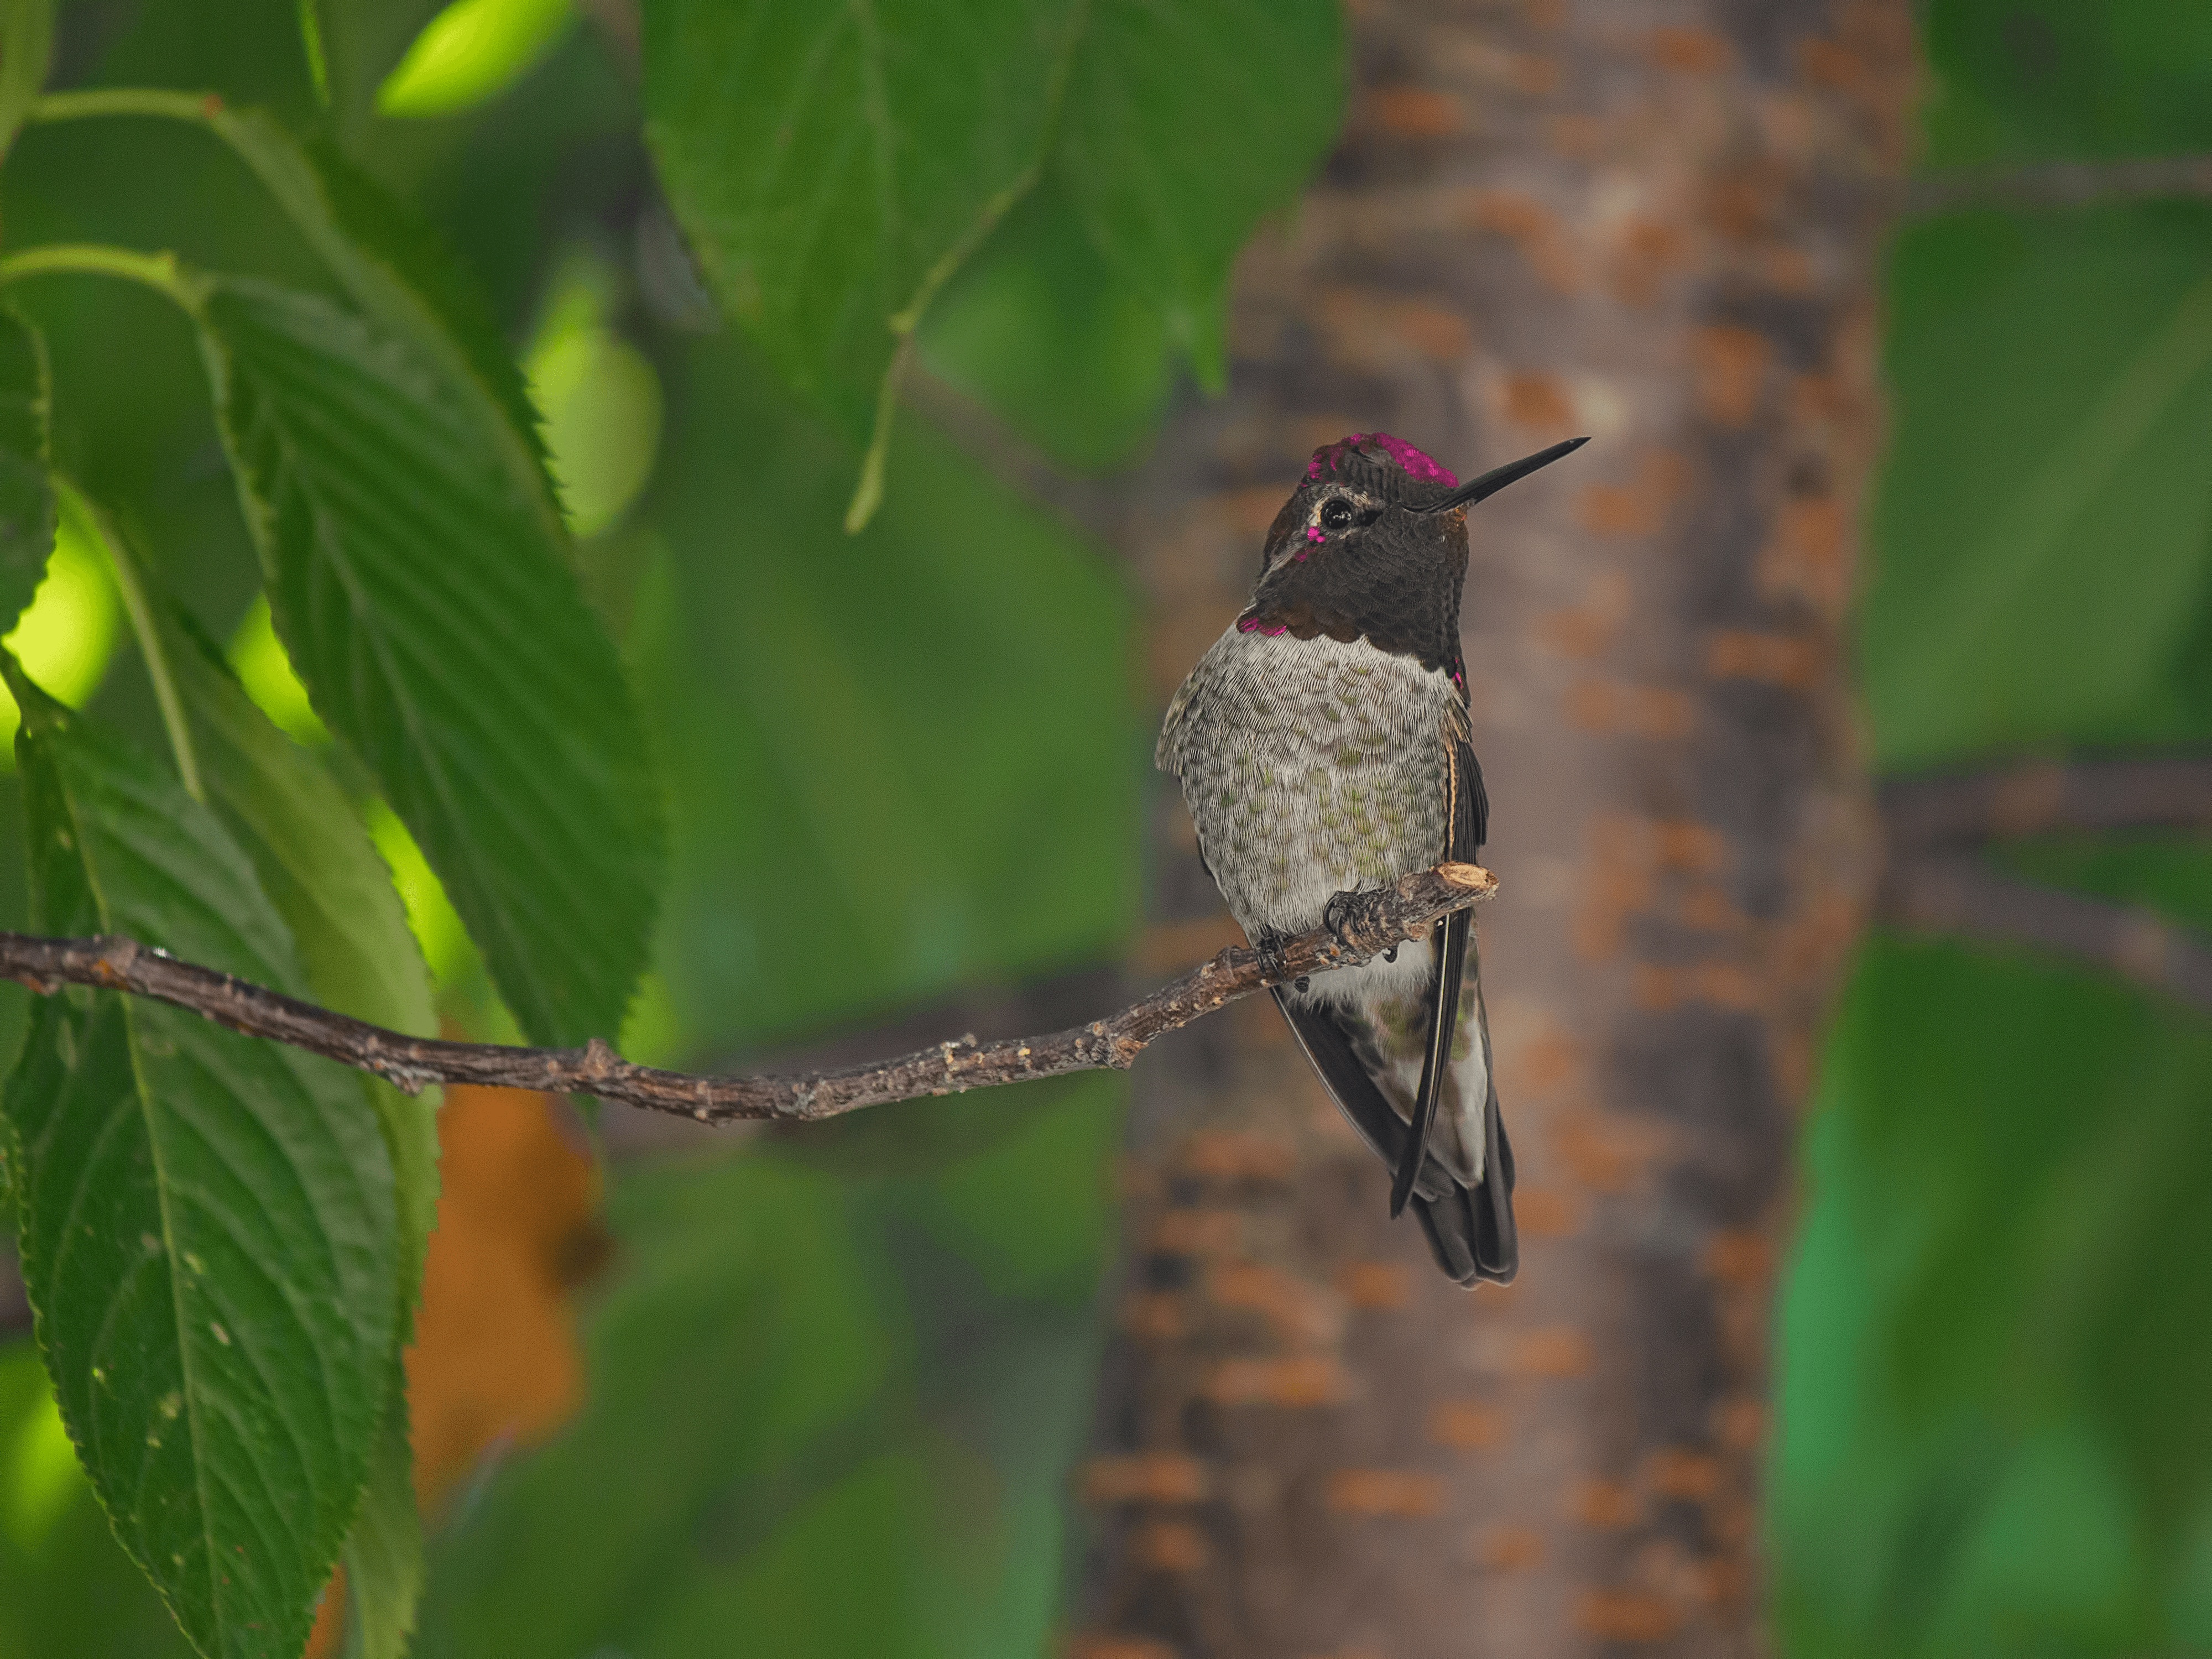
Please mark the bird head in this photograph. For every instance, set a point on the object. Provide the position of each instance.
(1373, 544)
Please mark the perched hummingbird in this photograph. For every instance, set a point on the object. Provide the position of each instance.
(1323, 745)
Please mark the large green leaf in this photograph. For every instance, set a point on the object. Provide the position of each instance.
(316, 864)
(27, 508)
(952, 712)
(1171, 166)
(1994, 1434)
(209, 1223)
(833, 165)
(2023, 80)
(440, 632)
(393, 269)
(2042, 536)
(904, 1370)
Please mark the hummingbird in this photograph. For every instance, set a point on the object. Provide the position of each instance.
(1324, 743)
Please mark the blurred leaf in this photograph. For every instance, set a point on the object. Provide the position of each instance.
(1039, 326)
(311, 45)
(448, 642)
(66, 1587)
(1171, 164)
(65, 638)
(26, 41)
(208, 1223)
(250, 49)
(26, 494)
(384, 1552)
(437, 927)
(256, 656)
(43, 1474)
(363, 41)
(2024, 80)
(2043, 531)
(600, 398)
(1993, 1437)
(471, 50)
(879, 1465)
(1033, 1210)
(513, 188)
(946, 703)
(829, 211)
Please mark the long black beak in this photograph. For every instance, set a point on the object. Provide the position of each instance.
(1477, 489)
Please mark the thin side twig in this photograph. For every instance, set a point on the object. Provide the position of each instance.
(1359, 926)
(1962, 894)
(2088, 795)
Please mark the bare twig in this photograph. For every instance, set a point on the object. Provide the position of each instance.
(2095, 796)
(14, 1302)
(1360, 925)
(1963, 894)
(2060, 183)
(1939, 878)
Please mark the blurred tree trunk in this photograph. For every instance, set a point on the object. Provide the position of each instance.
(1659, 224)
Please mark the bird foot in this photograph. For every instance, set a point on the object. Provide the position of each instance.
(1269, 944)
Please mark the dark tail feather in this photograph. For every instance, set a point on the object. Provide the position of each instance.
(1451, 935)
(1472, 1231)
(1355, 1093)
(1499, 1254)
(1450, 1223)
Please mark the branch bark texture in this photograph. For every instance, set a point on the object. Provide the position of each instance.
(1360, 925)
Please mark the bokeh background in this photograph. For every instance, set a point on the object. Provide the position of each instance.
(1868, 1305)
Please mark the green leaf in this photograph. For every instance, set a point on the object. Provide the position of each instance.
(442, 632)
(1171, 166)
(393, 269)
(1992, 1435)
(315, 862)
(833, 166)
(894, 1373)
(28, 509)
(27, 43)
(2042, 536)
(2029, 80)
(208, 1229)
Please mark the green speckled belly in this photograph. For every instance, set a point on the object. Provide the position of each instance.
(1309, 766)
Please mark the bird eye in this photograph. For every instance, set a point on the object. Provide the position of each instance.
(1336, 514)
